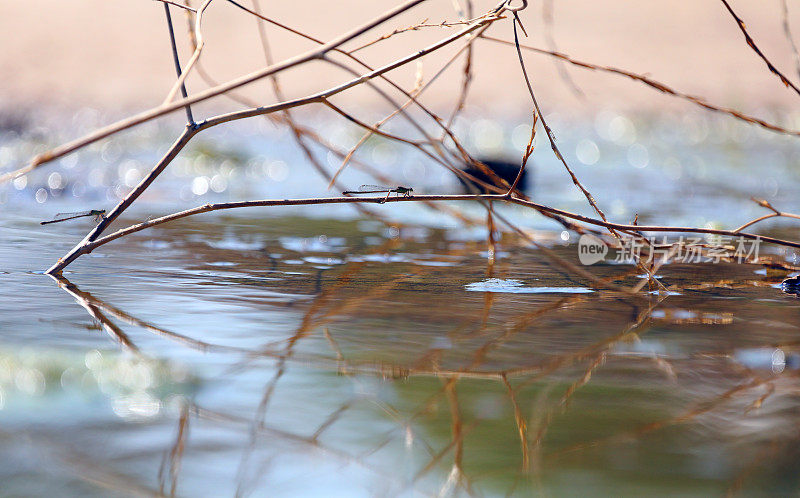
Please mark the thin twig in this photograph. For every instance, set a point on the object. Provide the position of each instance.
(112, 215)
(185, 7)
(786, 81)
(775, 214)
(547, 17)
(787, 30)
(88, 247)
(549, 132)
(661, 87)
(233, 84)
(177, 62)
(179, 84)
(466, 78)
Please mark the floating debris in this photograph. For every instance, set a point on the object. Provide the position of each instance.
(514, 286)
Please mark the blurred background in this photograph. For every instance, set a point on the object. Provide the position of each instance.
(115, 55)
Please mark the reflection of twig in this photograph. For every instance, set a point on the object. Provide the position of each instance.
(514, 326)
(86, 301)
(690, 414)
(769, 449)
(595, 349)
(90, 470)
(439, 456)
(173, 460)
(587, 376)
(212, 415)
(522, 427)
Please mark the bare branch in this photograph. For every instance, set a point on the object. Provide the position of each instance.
(786, 81)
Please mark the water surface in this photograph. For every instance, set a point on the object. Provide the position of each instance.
(294, 351)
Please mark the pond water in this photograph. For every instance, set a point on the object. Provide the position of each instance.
(308, 351)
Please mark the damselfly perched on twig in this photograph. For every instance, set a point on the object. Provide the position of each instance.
(98, 214)
(377, 189)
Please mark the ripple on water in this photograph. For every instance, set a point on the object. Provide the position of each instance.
(323, 261)
(381, 258)
(235, 244)
(312, 244)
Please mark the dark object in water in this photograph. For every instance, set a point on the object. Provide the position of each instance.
(506, 170)
(791, 285)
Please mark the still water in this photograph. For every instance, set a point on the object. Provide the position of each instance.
(312, 352)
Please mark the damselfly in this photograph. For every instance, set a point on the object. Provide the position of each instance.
(377, 189)
(98, 214)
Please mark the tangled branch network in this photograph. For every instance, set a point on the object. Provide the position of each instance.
(442, 146)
